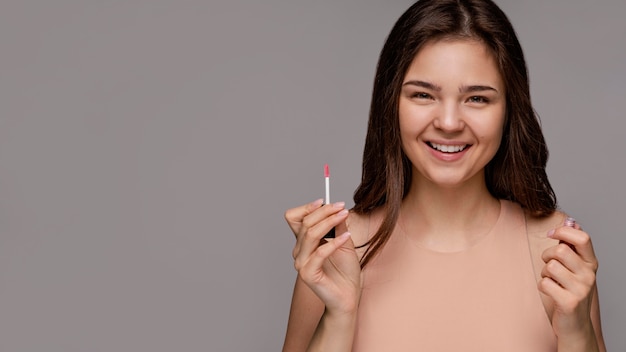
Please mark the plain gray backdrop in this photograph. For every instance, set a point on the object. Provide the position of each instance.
(148, 150)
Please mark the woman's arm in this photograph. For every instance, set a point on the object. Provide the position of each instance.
(304, 316)
(310, 328)
(335, 332)
(596, 321)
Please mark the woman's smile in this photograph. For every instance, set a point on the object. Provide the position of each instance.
(448, 152)
(445, 148)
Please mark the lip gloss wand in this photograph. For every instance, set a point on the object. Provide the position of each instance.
(327, 182)
(331, 233)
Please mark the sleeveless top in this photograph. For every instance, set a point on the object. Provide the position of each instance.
(481, 299)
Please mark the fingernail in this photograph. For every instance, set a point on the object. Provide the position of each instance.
(345, 234)
(551, 233)
(342, 213)
(339, 205)
(317, 203)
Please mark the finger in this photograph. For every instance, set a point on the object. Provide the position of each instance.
(552, 289)
(577, 238)
(566, 255)
(294, 216)
(565, 300)
(310, 239)
(336, 242)
(322, 213)
(312, 270)
(566, 268)
(315, 222)
(556, 271)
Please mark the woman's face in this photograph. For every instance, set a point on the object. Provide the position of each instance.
(452, 111)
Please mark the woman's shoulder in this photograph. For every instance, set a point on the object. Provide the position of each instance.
(362, 226)
(538, 226)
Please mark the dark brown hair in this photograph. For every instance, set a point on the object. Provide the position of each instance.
(517, 171)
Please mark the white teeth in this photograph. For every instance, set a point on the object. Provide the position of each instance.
(448, 148)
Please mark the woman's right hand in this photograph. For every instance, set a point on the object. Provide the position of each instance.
(330, 267)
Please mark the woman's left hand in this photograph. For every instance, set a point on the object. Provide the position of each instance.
(569, 278)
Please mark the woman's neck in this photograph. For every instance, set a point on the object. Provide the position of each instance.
(448, 218)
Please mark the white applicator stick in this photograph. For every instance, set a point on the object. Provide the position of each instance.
(331, 233)
(327, 181)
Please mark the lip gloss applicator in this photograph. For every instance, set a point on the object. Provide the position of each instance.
(331, 233)
(327, 182)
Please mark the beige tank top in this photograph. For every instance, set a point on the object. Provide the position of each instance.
(482, 299)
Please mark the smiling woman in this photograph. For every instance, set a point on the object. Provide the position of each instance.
(459, 245)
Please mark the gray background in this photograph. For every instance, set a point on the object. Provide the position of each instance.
(148, 150)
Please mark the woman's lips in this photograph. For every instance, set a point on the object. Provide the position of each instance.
(448, 152)
(448, 148)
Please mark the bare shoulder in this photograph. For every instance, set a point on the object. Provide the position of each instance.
(543, 224)
(538, 227)
(362, 227)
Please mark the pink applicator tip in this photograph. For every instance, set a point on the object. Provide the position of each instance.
(326, 171)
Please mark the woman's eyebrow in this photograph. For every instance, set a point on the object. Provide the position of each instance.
(462, 89)
(423, 84)
(476, 88)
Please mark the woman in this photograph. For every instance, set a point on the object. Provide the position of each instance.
(460, 246)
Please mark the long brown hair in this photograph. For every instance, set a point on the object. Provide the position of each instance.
(517, 171)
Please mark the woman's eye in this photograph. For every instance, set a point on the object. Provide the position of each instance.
(421, 95)
(478, 99)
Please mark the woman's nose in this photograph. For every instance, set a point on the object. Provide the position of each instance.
(448, 118)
